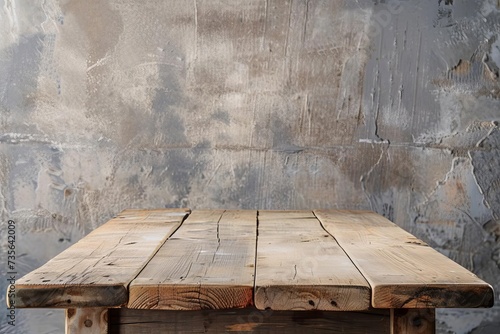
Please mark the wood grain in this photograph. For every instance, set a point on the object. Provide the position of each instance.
(413, 321)
(87, 321)
(404, 272)
(301, 267)
(289, 214)
(247, 320)
(97, 270)
(207, 264)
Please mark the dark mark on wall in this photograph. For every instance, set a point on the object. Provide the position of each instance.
(222, 116)
(18, 85)
(101, 24)
(183, 169)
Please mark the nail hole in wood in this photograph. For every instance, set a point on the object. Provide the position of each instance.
(88, 323)
(311, 303)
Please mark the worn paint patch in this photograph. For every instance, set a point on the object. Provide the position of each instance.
(19, 81)
(485, 160)
(461, 208)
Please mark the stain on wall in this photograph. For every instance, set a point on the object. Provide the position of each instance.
(261, 104)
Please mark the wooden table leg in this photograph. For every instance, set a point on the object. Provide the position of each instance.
(87, 321)
(413, 321)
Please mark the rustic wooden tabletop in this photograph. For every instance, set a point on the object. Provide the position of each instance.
(254, 261)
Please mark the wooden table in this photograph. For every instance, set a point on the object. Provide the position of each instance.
(212, 271)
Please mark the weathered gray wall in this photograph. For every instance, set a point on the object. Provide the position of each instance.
(271, 104)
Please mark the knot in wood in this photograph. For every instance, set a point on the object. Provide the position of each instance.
(416, 321)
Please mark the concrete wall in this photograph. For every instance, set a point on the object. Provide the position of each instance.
(273, 104)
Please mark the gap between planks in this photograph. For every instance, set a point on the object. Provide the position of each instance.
(207, 263)
(403, 271)
(80, 277)
(334, 284)
(353, 263)
(159, 247)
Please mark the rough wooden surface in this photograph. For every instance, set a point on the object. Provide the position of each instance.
(247, 320)
(87, 321)
(403, 271)
(207, 264)
(413, 321)
(301, 267)
(97, 270)
(288, 214)
(278, 260)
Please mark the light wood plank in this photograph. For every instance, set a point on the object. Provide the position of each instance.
(247, 320)
(404, 272)
(301, 267)
(290, 214)
(207, 264)
(413, 321)
(87, 321)
(97, 269)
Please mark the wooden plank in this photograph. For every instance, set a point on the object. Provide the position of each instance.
(404, 272)
(208, 263)
(97, 269)
(87, 321)
(301, 267)
(246, 320)
(290, 214)
(413, 321)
